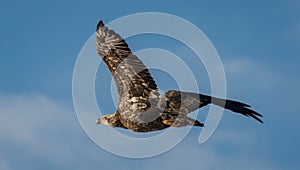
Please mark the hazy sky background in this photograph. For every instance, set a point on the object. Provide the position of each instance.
(259, 45)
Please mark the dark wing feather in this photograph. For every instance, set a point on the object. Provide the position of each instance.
(177, 102)
(136, 88)
(185, 102)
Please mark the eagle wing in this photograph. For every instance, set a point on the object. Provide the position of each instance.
(136, 88)
(178, 102)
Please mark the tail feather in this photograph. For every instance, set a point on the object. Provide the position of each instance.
(237, 107)
(177, 102)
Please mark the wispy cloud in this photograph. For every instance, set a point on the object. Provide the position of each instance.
(227, 150)
(250, 74)
(37, 125)
(37, 132)
(4, 164)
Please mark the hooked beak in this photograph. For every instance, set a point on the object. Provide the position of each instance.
(98, 121)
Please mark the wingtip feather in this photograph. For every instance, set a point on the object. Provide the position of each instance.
(100, 24)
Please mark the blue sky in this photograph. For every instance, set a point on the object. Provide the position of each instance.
(258, 42)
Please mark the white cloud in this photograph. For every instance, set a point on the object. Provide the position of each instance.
(245, 73)
(49, 131)
(227, 149)
(211, 155)
(237, 66)
(38, 125)
(248, 68)
(4, 165)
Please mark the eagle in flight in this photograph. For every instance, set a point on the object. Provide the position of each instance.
(140, 106)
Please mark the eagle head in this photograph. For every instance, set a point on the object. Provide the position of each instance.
(110, 120)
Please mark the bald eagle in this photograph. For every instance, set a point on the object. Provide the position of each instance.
(140, 106)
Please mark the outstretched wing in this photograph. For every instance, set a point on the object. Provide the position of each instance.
(185, 102)
(136, 87)
(177, 102)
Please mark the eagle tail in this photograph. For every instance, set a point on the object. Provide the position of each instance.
(234, 106)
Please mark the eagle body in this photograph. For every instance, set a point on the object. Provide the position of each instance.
(140, 106)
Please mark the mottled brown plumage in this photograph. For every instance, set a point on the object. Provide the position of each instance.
(140, 106)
